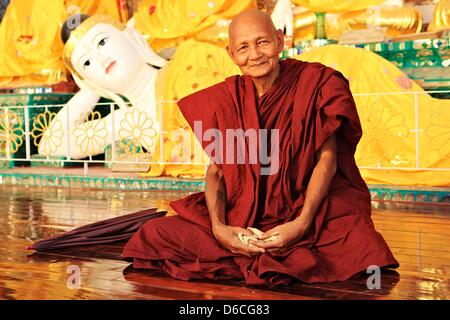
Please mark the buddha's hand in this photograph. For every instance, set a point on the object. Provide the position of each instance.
(283, 235)
(228, 236)
(83, 85)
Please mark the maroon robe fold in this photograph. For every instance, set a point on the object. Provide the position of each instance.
(307, 104)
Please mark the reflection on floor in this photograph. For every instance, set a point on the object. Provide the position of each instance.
(419, 241)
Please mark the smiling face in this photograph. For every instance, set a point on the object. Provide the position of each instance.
(255, 44)
(106, 57)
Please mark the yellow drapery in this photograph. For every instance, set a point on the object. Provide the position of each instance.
(30, 41)
(195, 66)
(389, 120)
(386, 105)
(337, 6)
(168, 23)
(116, 9)
(30, 44)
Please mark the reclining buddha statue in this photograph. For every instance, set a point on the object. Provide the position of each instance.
(111, 60)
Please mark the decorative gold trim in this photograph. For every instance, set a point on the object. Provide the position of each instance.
(138, 128)
(11, 132)
(77, 34)
(90, 134)
(48, 131)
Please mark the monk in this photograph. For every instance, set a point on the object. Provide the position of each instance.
(309, 205)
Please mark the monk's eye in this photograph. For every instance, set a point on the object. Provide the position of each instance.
(263, 42)
(87, 63)
(242, 48)
(102, 42)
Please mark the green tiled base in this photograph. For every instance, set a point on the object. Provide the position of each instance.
(48, 180)
(379, 193)
(123, 148)
(5, 164)
(409, 194)
(50, 162)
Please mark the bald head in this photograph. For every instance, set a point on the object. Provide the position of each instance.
(255, 44)
(251, 18)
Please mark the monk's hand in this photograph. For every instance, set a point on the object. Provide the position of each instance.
(283, 235)
(228, 236)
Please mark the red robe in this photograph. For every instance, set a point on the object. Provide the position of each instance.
(308, 103)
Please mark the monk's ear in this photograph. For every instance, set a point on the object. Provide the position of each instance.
(230, 53)
(280, 38)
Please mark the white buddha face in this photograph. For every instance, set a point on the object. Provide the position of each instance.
(107, 57)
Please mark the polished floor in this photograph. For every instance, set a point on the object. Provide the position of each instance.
(419, 238)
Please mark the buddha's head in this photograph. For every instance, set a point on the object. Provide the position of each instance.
(104, 53)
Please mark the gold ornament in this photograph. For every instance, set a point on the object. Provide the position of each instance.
(399, 21)
(441, 17)
(304, 25)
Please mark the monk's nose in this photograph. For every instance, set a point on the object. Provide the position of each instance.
(254, 53)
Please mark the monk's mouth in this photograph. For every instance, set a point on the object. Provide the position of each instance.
(110, 66)
(258, 65)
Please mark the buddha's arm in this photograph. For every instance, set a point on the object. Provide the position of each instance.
(82, 102)
(71, 135)
(319, 183)
(216, 195)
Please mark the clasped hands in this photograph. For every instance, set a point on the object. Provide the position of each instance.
(252, 241)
